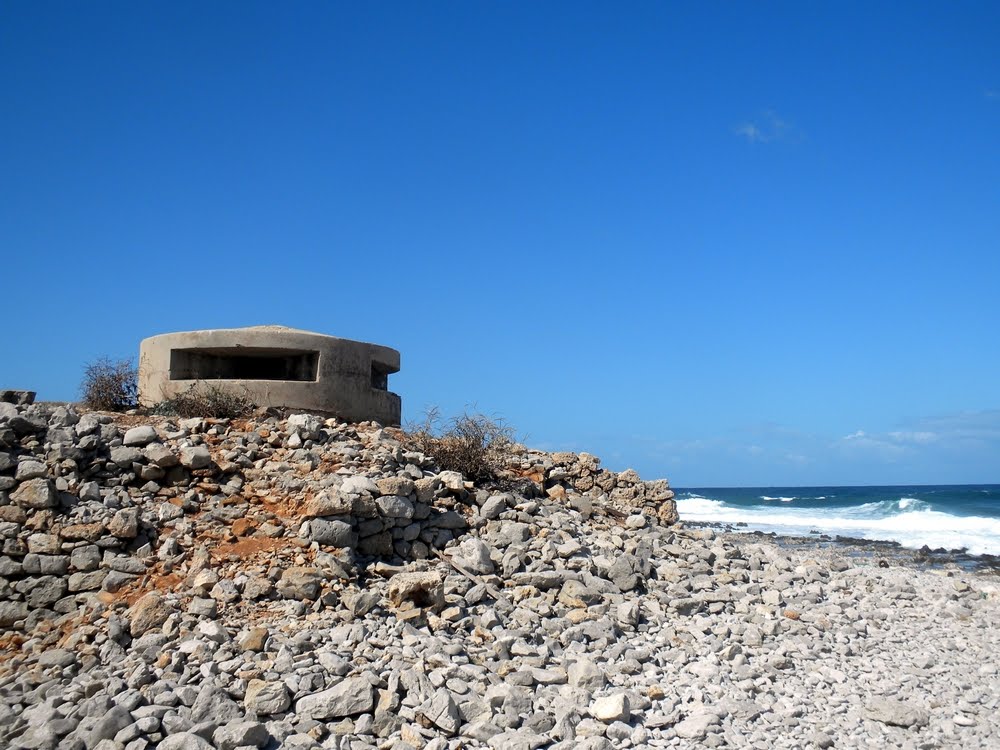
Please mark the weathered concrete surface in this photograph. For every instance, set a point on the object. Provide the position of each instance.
(278, 366)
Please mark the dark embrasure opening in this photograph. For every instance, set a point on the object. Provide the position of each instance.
(380, 376)
(243, 363)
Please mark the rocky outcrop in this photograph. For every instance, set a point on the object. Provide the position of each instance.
(306, 583)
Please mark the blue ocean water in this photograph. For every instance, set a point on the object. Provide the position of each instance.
(952, 517)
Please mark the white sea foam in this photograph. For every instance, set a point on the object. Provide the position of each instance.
(782, 499)
(909, 521)
(700, 505)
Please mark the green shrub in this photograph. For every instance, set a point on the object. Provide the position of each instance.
(201, 400)
(478, 446)
(110, 385)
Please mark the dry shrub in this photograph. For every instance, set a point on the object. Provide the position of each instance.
(478, 446)
(110, 385)
(213, 401)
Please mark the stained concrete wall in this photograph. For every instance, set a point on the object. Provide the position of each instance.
(278, 366)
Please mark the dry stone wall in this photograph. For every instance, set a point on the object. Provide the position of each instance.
(562, 475)
(95, 507)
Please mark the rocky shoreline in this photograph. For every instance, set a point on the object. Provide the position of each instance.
(874, 550)
(305, 583)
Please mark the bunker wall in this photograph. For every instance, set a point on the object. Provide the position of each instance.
(293, 369)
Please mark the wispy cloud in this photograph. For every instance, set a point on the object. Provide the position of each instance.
(941, 448)
(861, 441)
(766, 128)
(751, 132)
(922, 437)
(981, 428)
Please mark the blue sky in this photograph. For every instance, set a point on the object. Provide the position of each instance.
(729, 244)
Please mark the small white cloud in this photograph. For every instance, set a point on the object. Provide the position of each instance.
(751, 132)
(766, 128)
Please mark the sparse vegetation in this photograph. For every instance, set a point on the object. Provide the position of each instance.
(201, 400)
(478, 446)
(110, 385)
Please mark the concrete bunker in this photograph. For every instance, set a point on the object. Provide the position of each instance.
(277, 366)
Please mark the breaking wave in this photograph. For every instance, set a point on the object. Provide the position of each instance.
(910, 521)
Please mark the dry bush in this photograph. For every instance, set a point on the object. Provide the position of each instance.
(211, 401)
(110, 385)
(478, 446)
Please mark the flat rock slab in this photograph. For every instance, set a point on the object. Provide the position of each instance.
(895, 712)
(696, 726)
(349, 697)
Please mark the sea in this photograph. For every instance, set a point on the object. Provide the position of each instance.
(949, 517)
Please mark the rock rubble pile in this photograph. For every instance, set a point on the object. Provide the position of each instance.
(305, 583)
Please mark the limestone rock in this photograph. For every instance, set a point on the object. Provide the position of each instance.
(349, 697)
(160, 455)
(493, 507)
(185, 741)
(453, 480)
(585, 673)
(357, 484)
(140, 436)
(577, 594)
(301, 583)
(308, 426)
(147, 613)
(107, 726)
(266, 698)
(696, 726)
(88, 532)
(332, 533)
(11, 612)
(35, 493)
(402, 486)
(895, 712)
(422, 590)
(611, 708)
(253, 640)
(474, 555)
(125, 524)
(441, 712)
(329, 502)
(240, 734)
(214, 704)
(30, 470)
(395, 506)
(196, 457)
(124, 456)
(18, 397)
